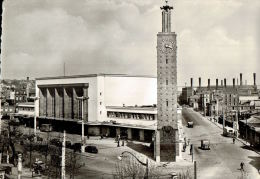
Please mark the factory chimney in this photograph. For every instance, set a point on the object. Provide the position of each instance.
(27, 88)
(216, 83)
(241, 79)
(234, 82)
(254, 74)
(208, 83)
(191, 82)
(225, 82)
(199, 81)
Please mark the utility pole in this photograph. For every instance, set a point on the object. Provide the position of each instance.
(63, 172)
(19, 166)
(82, 122)
(223, 113)
(35, 122)
(195, 170)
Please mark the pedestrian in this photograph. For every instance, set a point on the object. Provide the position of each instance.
(242, 166)
(118, 144)
(191, 149)
(234, 140)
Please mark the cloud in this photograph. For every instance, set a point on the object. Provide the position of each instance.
(217, 38)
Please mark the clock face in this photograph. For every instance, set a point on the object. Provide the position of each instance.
(167, 46)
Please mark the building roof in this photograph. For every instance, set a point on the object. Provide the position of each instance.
(94, 75)
(134, 109)
(252, 121)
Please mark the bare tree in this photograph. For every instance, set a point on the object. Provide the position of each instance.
(72, 163)
(129, 167)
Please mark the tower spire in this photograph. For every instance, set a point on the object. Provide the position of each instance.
(166, 17)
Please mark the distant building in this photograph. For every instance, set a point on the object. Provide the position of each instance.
(249, 130)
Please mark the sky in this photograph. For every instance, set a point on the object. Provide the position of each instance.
(215, 39)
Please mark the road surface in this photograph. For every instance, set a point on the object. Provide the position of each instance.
(224, 158)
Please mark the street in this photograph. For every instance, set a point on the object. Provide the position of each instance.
(224, 158)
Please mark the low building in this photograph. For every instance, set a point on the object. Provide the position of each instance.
(250, 130)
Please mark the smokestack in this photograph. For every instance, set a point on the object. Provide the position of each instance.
(254, 74)
(221, 83)
(234, 82)
(225, 82)
(191, 82)
(209, 83)
(241, 78)
(27, 88)
(216, 83)
(199, 81)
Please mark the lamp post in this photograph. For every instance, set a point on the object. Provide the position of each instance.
(142, 163)
(82, 98)
(35, 125)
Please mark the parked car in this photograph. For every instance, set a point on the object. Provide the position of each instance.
(46, 128)
(56, 142)
(39, 166)
(40, 139)
(205, 144)
(68, 144)
(91, 149)
(190, 124)
(228, 131)
(76, 147)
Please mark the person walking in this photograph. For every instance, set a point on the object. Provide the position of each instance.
(234, 140)
(242, 166)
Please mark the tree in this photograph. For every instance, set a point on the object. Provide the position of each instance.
(72, 164)
(129, 167)
(9, 138)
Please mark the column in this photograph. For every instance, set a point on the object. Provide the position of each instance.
(67, 103)
(49, 103)
(117, 131)
(42, 103)
(58, 103)
(129, 133)
(75, 104)
(85, 94)
(157, 146)
(141, 134)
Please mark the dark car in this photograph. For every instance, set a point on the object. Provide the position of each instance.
(91, 149)
(68, 144)
(56, 142)
(76, 147)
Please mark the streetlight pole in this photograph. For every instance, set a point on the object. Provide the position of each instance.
(35, 125)
(142, 163)
(82, 98)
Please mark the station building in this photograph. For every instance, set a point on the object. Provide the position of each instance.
(113, 104)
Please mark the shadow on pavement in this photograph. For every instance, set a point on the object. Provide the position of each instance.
(255, 162)
(147, 151)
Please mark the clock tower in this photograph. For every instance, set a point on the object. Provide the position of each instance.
(166, 148)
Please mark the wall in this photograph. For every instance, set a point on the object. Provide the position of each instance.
(130, 91)
(92, 92)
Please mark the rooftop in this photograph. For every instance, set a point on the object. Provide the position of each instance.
(95, 75)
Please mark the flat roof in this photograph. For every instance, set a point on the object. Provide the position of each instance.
(94, 75)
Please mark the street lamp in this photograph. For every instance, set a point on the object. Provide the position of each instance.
(82, 98)
(35, 125)
(142, 163)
